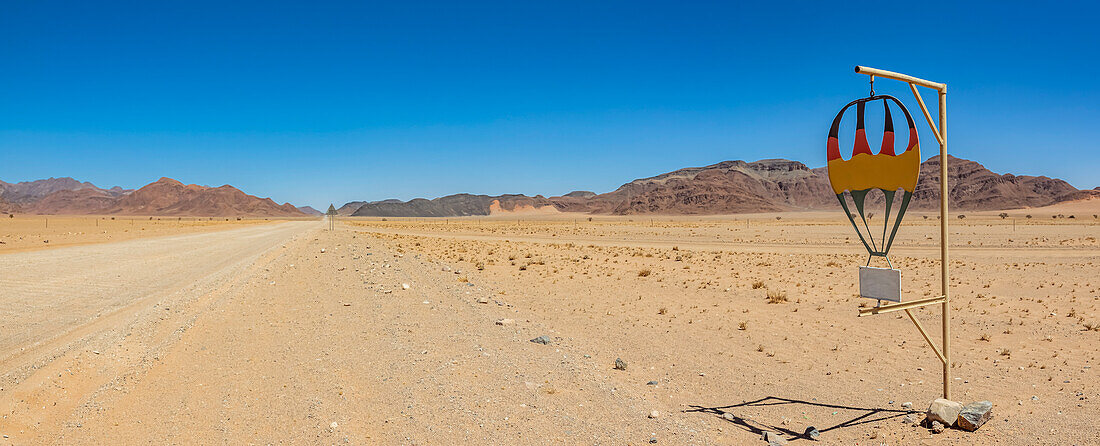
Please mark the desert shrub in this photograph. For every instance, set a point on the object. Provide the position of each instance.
(962, 216)
(1028, 216)
(757, 284)
(776, 297)
(644, 273)
(1003, 215)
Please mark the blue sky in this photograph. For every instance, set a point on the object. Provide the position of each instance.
(318, 102)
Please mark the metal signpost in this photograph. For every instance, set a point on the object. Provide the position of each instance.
(330, 215)
(889, 172)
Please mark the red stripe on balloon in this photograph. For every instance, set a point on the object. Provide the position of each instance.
(833, 149)
(861, 143)
(887, 144)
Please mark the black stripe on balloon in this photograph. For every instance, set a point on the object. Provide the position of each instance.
(889, 125)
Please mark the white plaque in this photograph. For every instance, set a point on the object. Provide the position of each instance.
(880, 283)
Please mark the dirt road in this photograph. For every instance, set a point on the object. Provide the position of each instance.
(230, 338)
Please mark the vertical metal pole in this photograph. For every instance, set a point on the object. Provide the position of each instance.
(943, 248)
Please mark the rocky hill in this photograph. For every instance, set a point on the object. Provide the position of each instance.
(31, 191)
(450, 206)
(163, 197)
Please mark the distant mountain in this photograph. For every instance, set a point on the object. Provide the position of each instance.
(745, 187)
(163, 197)
(449, 206)
(31, 191)
(310, 211)
(170, 197)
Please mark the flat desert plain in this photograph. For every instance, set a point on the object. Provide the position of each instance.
(418, 331)
(34, 232)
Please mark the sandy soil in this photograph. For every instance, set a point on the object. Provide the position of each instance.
(33, 232)
(374, 334)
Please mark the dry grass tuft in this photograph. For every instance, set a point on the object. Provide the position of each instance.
(743, 326)
(777, 297)
(757, 284)
(644, 273)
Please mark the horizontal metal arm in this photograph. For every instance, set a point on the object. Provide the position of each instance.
(901, 306)
(901, 77)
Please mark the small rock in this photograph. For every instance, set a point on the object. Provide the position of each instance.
(937, 427)
(910, 419)
(974, 415)
(404, 286)
(483, 300)
(728, 416)
(654, 414)
(333, 425)
(944, 411)
(322, 250)
(907, 405)
(347, 304)
(651, 383)
(506, 322)
(620, 364)
(812, 433)
(773, 439)
(544, 340)
(652, 440)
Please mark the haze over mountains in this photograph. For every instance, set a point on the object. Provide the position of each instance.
(741, 187)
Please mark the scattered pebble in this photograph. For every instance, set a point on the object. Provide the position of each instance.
(654, 414)
(544, 340)
(620, 364)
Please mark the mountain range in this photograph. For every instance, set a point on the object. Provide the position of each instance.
(165, 197)
(727, 187)
(741, 187)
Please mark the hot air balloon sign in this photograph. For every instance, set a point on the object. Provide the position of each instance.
(866, 171)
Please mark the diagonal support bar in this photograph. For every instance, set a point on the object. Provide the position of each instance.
(927, 116)
(925, 334)
(901, 306)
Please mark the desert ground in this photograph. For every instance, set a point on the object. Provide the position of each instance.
(33, 232)
(418, 331)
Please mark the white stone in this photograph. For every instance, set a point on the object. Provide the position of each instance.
(944, 411)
